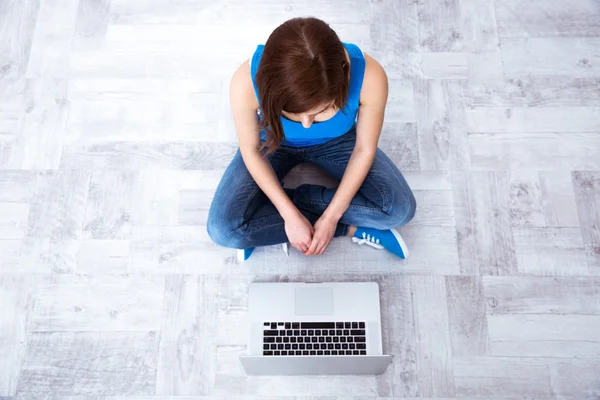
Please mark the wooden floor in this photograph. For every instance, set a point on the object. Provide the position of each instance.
(114, 132)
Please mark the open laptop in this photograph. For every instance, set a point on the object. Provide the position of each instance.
(315, 329)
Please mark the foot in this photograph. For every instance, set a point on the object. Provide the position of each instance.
(244, 254)
(389, 239)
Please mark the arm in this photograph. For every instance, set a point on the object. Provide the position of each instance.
(373, 98)
(244, 105)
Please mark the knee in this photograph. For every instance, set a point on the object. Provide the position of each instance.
(224, 232)
(402, 207)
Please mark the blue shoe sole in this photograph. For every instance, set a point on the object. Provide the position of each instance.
(403, 245)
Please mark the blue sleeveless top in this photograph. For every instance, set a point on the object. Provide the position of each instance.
(320, 132)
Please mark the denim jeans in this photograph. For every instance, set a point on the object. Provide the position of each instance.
(242, 216)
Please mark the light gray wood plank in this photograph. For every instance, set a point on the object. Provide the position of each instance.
(479, 32)
(428, 180)
(52, 39)
(17, 293)
(399, 142)
(542, 199)
(186, 359)
(90, 27)
(533, 119)
(485, 241)
(476, 67)
(534, 91)
(121, 363)
(539, 18)
(550, 251)
(587, 193)
(545, 348)
(542, 295)
(139, 155)
(435, 208)
(572, 57)
(98, 303)
(13, 220)
(502, 376)
(16, 186)
(103, 256)
(394, 25)
(575, 379)
(400, 106)
(10, 252)
(110, 205)
(433, 348)
(531, 327)
(17, 24)
(466, 316)
(399, 335)
(38, 144)
(441, 125)
(538, 151)
(439, 25)
(55, 221)
(194, 206)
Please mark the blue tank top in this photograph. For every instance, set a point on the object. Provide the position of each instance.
(320, 132)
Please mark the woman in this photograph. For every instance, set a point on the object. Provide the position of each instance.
(308, 89)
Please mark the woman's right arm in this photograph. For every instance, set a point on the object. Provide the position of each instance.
(244, 106)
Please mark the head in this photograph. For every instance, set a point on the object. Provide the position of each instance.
(303, 71)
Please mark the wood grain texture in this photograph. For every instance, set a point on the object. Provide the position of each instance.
(115, 363)
(439, 25)
(17, 21)
(576, 379)
(399, 142)
(91, 24)
(466, 316)
(587, 193)
(481, 210)
(434, 348)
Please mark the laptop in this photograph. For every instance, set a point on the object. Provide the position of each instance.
(315, 329)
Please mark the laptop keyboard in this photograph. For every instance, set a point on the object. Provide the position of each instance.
(314, 339)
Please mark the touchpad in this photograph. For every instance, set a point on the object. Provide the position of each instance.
(314, 301)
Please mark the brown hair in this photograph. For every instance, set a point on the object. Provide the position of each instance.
(303, 66)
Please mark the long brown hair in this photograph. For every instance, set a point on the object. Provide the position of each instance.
(303, 66)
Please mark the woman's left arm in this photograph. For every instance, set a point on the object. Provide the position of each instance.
(373, 98)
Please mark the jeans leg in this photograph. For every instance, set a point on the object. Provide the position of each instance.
(383, 201)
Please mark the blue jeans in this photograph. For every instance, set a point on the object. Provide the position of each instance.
(242, 216)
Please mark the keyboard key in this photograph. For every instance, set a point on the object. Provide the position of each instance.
(328, 339)
(298, 353)
(303, 332)
(313, 353)
(360, 339)
(286, 339)
(309, 346)
(363, 352)
(361, 346)
(346, 332)
(301, 346)
(357, 332)
(327, 352)
(342, 340)
(361, 325)
(331, 332)
(280, 346)
(276, 353)
(317, 332)
(295, 346)
(314, 339)
(311, 332)
(339, 332)
(266, 346)
(321, 339)
(295, 325)
(288, 346)
(330, 346)
(270, 333)
(347, 325)
(279, 339)
(292, 339)
(297, 332)
(305, 353)
(339, 325)
(273, 346)
(319, 353)
(334, 352)
(283, 353)
(323, 346)
(267, 324)
(336, 339)
(307, 340)
(349, 339)
(317, 325)
(345, 346)
(273, 325)
(355, 352)
(300, 339)
(289, 332)
(267, 353)
(352, 346)
(288, 325)
(348, 352)
(338, 346)
(280, 324)
(355, 325)
(268, 339)
(282, 332)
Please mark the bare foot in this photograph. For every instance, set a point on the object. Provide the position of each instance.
(351, 230)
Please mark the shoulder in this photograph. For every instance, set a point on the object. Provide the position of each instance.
(241, 89)
(375, 82)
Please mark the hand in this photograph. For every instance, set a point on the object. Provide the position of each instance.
(324, 231)
(299, 231)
